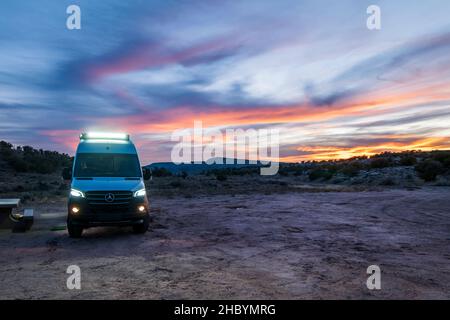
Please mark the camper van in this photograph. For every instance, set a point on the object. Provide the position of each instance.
(107, 185)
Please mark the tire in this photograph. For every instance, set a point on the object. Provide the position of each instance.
(74, 231)
(142, 227)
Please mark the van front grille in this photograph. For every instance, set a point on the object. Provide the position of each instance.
(109, 197)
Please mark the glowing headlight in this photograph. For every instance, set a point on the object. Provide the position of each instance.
(76, 193)
(140, 193)
(75, 209)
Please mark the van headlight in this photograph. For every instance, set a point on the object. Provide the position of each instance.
(140, 193)
(76, 193)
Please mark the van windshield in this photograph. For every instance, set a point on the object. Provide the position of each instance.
(106, 165)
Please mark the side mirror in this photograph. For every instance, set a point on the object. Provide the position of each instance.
(67, 173)
(147, 173)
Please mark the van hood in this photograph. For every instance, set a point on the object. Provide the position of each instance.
(107, 184)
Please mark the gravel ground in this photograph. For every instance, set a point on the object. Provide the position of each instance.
(280, 246)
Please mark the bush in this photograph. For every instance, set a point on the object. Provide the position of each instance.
(378, 163)
(408, 161)
(176, 184)
(221, 177)
(42, 186)
(184, 174)
(62, 186)
(27, 197)
(161, 172)
(18, 164)
(387, 182)
(352, 169)
(429, 169)
(320, 174)
(442, 156)
(19, 188)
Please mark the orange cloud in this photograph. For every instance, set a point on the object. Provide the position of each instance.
(67, 138)
(184, 116)
(164, 122)
(331, 152)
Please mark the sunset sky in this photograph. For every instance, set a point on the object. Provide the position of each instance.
(311, 69)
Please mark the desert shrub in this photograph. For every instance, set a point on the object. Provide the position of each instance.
(408, 160)
(331, 167)
(221, 176)
(63, 186)
(429, 169)
(183, 174)
(26, 197)
(247, 170)
(6, 149)
(42, 186)
(294, 169)
(283, 170)
(175, 184)
(442, 156)
(352, 169)
(18, 188)
(161, 172)
(43, 167)
(18, 164)
(240, 171)
(320, 173)
(379, 162)
(387, 182)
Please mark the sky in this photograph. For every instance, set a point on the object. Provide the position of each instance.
(311, 69)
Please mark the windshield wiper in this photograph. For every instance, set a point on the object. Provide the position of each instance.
(132, 178)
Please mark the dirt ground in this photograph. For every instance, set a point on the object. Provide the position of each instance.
(256, 246)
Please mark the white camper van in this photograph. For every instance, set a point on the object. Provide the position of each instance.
(107, 186)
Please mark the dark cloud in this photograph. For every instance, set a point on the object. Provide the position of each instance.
(334, 98)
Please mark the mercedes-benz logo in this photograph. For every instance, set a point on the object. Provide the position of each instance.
(109, 197)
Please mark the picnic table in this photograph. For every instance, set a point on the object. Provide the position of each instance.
(6, 208)
(14, 221)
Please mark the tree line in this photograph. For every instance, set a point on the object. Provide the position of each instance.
(29, 159)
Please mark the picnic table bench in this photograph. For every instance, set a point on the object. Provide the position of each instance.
(13, 220)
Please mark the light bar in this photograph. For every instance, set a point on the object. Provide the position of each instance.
(104, 135)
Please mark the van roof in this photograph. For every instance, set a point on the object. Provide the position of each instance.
(106, 146)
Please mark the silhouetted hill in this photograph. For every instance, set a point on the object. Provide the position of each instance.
(387, 168)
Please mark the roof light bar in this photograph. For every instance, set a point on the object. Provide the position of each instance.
(104, 135)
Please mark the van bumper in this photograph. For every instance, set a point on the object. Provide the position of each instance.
(88, 223)
(91, 215)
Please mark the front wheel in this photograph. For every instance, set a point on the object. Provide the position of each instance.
(74, 231)
(142, 227)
